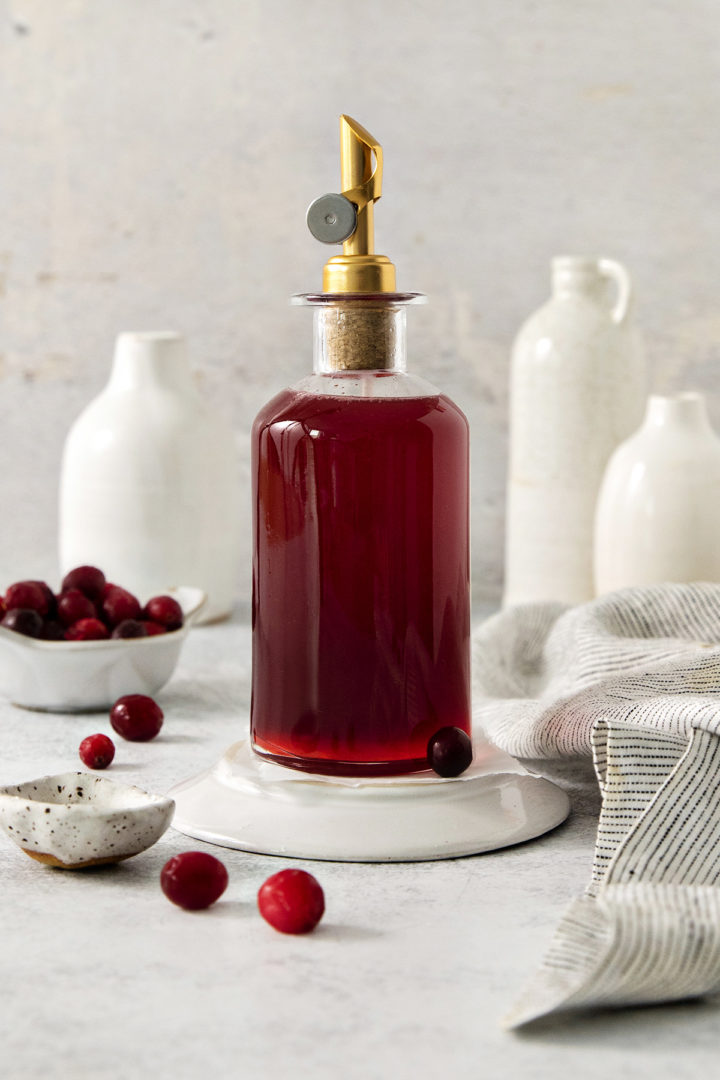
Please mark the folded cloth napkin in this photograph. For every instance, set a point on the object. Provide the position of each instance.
(648, 928)
(634, 679)
(544, 673)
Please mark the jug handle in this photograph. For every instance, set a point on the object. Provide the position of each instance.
(618, 274)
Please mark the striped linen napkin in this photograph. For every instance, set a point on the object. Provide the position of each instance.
(634, 679)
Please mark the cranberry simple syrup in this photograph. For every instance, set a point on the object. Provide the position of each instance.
(361, 618)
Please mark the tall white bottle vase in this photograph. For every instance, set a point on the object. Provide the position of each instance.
(150, 488)
(658, 514)
(577, 390)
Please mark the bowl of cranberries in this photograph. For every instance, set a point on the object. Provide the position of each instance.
(91, 642)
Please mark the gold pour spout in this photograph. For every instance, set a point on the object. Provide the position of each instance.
(361, 182)
(349, 217)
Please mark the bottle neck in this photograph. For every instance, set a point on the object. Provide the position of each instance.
(680, 411)
(359, 335)
(577, 276)
(151, 359)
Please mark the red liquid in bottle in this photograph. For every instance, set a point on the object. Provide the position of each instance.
(361, 616)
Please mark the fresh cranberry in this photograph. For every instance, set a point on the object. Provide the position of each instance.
(3, 609)
(97, 751)
(164, 610)
(130, 628)
(49, 596)
(23, 621)
(88, 579)
(193, 880)
(136, 717)
(292, 901)
(52, 630)
(87, 630)
(118, 604)
(152, 629)
(27, 594)
(449, 751)
(73, 606)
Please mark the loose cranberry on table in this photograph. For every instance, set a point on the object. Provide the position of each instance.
(193, 880)
(292, 901)
(130, 628)
(87, 630)
(165, 611)
(27, 594)
(88, 579)
(118, 604)
(73, 606)
(136, 717)
(97, 751)
(449, 751)
(23, 621)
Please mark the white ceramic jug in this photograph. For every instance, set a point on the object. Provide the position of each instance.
(577, 390)
(149, 488)
(658, 514)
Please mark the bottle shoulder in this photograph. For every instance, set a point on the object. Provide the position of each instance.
(112, 421)
(318, 409)
(366, 384)
(572, 322)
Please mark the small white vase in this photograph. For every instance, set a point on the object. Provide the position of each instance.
(577, 390)
(658, 513)
(150, 488)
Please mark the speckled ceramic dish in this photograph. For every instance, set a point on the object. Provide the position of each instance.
(76, 676)
(77, 819)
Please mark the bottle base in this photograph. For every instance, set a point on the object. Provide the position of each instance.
(326, 767)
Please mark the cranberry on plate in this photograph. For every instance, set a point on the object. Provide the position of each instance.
(23, 621)
(449, 751)
(73, 606)
(164, 610)
(118, 604)
(130, 628)
(88, 579)
(27, 594)
(87, 630)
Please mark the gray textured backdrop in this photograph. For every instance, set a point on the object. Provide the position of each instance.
(157, 157)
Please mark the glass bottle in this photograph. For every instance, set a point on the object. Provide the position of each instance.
(361, 601)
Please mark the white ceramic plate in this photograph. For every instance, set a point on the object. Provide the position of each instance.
(254, 805)
(77, 676)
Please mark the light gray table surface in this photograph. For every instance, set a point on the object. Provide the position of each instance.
(408, 975)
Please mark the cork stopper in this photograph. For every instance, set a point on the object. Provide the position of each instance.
(360, 335)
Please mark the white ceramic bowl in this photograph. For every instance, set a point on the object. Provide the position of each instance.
(76, 676)
(78, 819)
